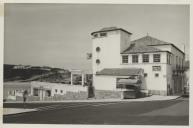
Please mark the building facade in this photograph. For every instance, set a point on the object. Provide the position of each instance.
(115, 56)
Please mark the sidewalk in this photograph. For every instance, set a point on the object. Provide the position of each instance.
(8, 111)
(150, 98)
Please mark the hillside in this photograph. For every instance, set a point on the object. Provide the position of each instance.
(26, 73)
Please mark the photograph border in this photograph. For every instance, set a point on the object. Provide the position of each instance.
(189, 2)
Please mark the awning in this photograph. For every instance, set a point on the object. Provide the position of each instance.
(120, 71)
(128, 81)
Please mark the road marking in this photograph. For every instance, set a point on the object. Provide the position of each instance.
(104, 104)
(52, 107)
(55, 107)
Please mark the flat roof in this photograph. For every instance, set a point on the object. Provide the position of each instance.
(111, 29)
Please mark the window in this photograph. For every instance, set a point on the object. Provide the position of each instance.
(156, 75)
(156, 57)
(98, 49)
(125, 59)
(35, 92)
(103, 34)
(145, 74)
(56, 90)
(11, 93)
(98, 61)
(135, 58)
(145, 58)
(95, 35)
(61, 91)
(48, 93)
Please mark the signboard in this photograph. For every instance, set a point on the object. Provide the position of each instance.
(156, 68)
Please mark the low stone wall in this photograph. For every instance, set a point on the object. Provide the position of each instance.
(104, 94)
(68, 96)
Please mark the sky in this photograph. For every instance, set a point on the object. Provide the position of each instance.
(58, 35)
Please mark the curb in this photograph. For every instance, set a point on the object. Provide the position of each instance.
(95, 100)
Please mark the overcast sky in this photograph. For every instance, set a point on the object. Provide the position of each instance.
(58, 35)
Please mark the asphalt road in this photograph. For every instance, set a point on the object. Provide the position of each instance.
(118, 113)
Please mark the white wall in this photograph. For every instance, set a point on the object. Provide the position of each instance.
(111, 47)
(64, 87)
(104, 82)
(151, 82)
(125, 41)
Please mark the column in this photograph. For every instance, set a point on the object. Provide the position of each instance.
(31, 91)
(82, 79)
(71, 79)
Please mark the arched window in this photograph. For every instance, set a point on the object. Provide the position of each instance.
(98, 49)
(98, 61)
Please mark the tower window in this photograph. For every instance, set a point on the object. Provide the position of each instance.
(98, 61)
(156, 57)
(98, 49)
(135, 58)
(125, 59)
(145, 58)
(103, 34)
(95, 35)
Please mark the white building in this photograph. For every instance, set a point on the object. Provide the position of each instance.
(115, 56)
(41, 90)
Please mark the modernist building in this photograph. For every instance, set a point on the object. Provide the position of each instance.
(115, 56)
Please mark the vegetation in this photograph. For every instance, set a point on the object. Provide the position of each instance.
(31, 73)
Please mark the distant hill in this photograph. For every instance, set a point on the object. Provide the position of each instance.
(26, 73)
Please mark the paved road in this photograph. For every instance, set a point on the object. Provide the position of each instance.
(130, 113)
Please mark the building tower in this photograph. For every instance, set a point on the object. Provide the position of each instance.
(107, 44)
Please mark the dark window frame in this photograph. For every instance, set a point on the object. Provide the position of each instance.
(157, 58)
(125, 59)
(135, 58)
(95, 35)
(145, 58)
(35, 93)
(103, 34)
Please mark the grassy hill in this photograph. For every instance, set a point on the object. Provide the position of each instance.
(28, 73)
